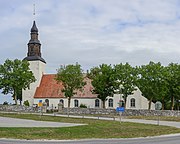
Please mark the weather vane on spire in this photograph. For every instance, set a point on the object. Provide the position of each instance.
(34, 11)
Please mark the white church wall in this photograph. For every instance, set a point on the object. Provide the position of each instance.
(89, 102)
(116, 98)
(38, 68)
(52, 101)
(140, 101)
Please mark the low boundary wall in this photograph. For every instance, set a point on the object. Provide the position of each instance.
(18, 108)
(127, 112)
(92, 111)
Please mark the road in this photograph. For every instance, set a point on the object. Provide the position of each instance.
(170, 139)
(173, 139)
(7, 122)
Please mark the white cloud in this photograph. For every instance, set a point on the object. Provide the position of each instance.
(93, 32)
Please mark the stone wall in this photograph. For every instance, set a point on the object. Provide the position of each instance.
(151, 113)
(92, 111)
(18, 108)
(128, 112)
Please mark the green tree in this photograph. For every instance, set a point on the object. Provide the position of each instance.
(72, 79)
(163, 94)
(19, 96)
(14, 76)
(163, 89)
(102, 81)
(125, 78)
(173, 79)
(149, 80)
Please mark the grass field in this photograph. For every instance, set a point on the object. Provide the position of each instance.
(163, 118)
(94, 129)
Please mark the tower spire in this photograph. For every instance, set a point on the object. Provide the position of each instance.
(34, 46)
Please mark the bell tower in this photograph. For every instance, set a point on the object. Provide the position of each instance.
(34, 46)
(37, 64)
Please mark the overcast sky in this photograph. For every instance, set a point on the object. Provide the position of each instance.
(92, 32)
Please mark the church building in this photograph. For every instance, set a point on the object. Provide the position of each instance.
(48, 90)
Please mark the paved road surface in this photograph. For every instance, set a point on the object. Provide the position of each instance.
(165, 123)
(14, 122)
(7, 122)
(174, 139)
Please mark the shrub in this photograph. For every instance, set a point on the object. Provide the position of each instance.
(5, 103)
(26, 103)
(83, 106)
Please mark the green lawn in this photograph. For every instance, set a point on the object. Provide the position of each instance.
(163, 118)
(94, 129)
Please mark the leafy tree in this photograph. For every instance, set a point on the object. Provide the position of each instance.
(72, 79)
(102, 81)
(163, 94)
(173, 79)
(163, 89)
(125, 78)
(14, 76)
(19, 96)
(149, 80)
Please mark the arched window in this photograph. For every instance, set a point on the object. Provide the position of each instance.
(61, 102)
(76, 103)
(110, 102)
(47, 102)
(96, 103)
(133, 102)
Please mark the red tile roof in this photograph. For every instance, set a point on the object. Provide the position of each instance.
(49, 88)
